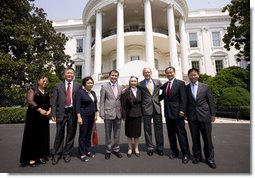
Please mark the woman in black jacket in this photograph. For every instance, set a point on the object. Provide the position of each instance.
(132, 114)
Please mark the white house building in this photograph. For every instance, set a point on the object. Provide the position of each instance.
(128, 35)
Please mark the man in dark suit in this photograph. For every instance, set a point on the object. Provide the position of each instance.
(175, 100)
(200, 114)
(63, 113)
(152, 109)
(110, 111)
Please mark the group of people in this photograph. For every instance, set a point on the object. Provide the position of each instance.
(138, 103)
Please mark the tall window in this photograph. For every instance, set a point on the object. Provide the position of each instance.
(218, 65)
(195, 64)
(156, 63)
(216, 39)
(193, 40)
(78, 71)
(114, 64)
(133, 58)
(79, 45)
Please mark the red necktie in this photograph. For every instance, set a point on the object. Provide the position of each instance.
(168, 89)
(68, 94)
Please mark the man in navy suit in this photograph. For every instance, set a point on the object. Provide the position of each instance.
(175, 100)
(63, 113)
(200, 115)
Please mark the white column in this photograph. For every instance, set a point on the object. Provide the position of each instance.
(184, 46)
(172, 37)
(120, 34)
(148, 33)
(98, 43)
(88, 50)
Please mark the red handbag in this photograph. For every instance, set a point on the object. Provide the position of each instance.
(94, 135)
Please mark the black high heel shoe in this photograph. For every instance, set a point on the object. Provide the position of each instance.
(137, 154)
(32, 163)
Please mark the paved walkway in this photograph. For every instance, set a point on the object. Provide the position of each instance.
(231, 138)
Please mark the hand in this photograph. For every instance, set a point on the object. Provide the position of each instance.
(43, 112)
(181, 114)
(48, 113)
(79, 121)
(213, 118)
(53, 119)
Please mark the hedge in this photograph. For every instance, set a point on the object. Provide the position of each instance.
(11, 115)
(237, 112)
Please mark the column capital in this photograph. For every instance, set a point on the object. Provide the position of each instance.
(147, 0)
(118, 1)
(97, 11)
(170, 5)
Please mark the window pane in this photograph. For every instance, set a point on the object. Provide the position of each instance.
(78, 70)
(218, 65)
(133, 58)
(195, 64)
(79, 45)
(193, 39)
(216, 38)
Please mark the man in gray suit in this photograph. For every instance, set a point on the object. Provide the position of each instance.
(63, 107)
(110, 111)
(200, 115)
(152, 109)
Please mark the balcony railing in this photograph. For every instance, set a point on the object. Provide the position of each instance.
(134, 28)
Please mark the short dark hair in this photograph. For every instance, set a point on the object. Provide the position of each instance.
(170, 67)
(84, 80)
(113, 71)
(193, 70)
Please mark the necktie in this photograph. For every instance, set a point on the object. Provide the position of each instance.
(193, 90)
(114, 89)
(150, 87)
(168, 89)
(68, 94)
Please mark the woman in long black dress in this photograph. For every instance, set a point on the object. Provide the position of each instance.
(132, 114)
(35, 144)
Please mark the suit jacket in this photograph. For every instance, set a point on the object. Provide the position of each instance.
(203, 107)
(176, 101)
(84, 104)
(110, 107)
(149, 102)
(131, 105)
(59, 98)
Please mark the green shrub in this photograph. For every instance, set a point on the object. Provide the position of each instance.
(11, 115)
(234, 96)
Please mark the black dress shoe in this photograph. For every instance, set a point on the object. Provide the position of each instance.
(211, 163)
(118, 154)
(172, 156)
(55, 160)
(150, 152)
(107, 155)
(196, 160)
(160, 153)
(91, 155)
(67, 158)
(185, 159)
(42, 161)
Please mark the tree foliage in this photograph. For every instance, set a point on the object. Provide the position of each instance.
(238, 32)
(29, 46)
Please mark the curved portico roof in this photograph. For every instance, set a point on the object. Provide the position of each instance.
(88, 16)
